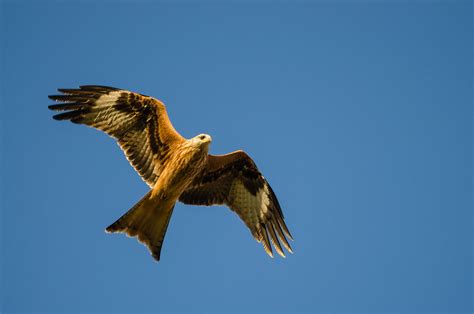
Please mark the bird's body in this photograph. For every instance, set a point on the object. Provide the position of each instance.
(175, 168)
(183, 165)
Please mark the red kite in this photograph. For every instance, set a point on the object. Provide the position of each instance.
(175, 168)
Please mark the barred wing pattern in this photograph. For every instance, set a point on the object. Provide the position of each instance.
(234, 180)
(139, 123)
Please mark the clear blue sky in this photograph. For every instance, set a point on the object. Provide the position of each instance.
(358, 113)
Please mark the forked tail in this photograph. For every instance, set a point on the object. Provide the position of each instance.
(148, 221)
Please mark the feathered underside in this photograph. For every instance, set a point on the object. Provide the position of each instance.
(235, 181)
(141, 126)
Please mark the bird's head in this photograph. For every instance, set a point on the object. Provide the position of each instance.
(202, 140)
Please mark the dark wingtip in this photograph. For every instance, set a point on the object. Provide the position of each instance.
(70, 115)
(156, 256)
(98, 88)
(66, 106)
(56, 107)
(71, 91)
(114, 227)
(66, 90)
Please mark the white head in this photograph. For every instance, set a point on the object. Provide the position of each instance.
(201, 140)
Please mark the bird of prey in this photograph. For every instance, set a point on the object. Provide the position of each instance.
(175, 168)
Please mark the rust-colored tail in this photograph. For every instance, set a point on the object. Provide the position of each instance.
(148, 221)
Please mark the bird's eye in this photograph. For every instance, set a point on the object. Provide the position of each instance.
(202, 137)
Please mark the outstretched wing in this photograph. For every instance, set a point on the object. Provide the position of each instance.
(235, 181)
(139, 123)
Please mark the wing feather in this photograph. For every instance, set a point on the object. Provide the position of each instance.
(264, 237)
(234, 180)
(274, 239)
(139, 123)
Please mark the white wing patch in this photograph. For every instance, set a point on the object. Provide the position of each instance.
(247, 203)
(252, 208)
(107, 99)
(108, 116)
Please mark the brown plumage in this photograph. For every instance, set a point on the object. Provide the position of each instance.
(175, 168)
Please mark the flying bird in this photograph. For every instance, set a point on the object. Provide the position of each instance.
(175, 168)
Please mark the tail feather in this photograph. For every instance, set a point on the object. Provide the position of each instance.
(148, 221)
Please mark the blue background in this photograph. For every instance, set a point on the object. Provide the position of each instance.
(358, 113)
